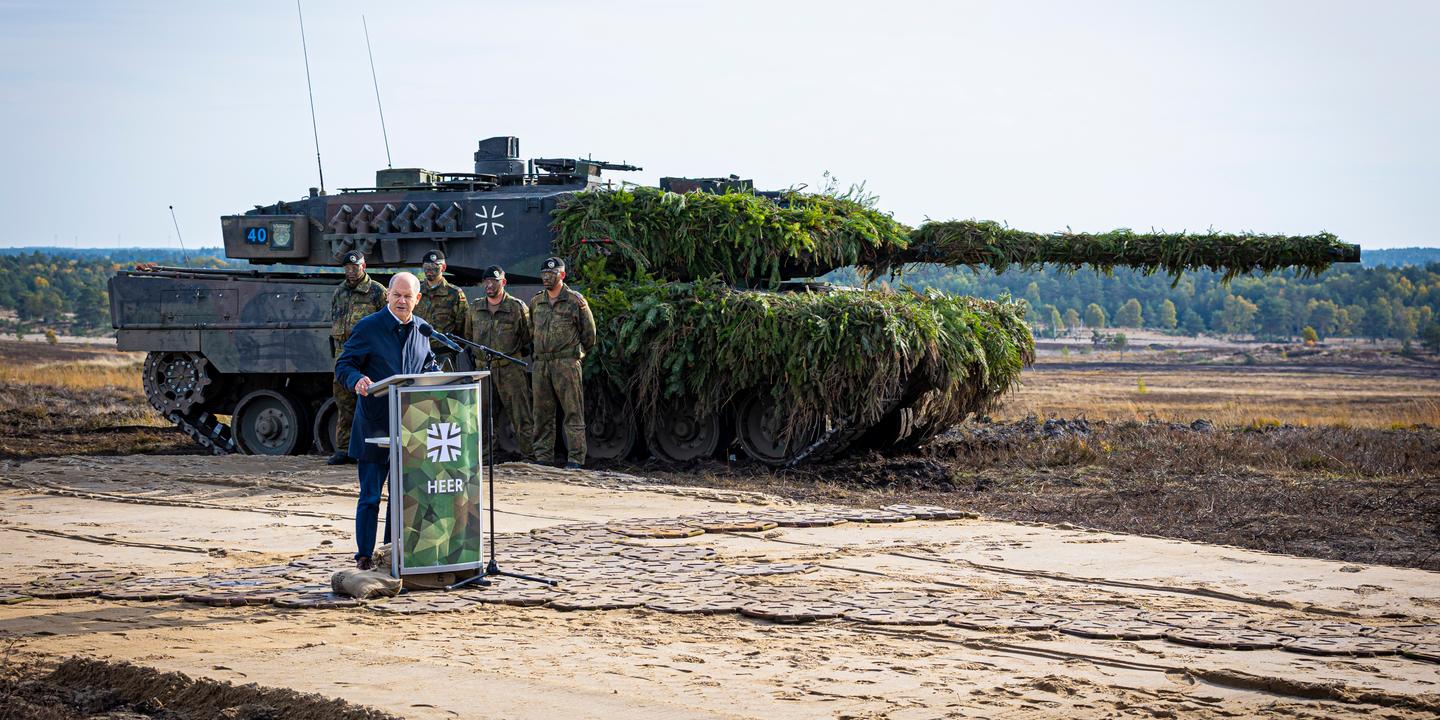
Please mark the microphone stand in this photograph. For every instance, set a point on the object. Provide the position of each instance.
(494, 567)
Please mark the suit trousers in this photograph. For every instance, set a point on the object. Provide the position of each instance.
(372, 480)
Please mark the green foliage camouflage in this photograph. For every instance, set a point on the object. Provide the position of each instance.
(738, 237)
(977, 243)
(846, 355)
(839, 354)
(742, 237)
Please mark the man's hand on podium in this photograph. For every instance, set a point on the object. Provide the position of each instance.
(362, 386)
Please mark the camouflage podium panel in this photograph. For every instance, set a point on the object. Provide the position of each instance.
(438, 468)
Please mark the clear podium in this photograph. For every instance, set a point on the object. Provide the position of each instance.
(436, 470)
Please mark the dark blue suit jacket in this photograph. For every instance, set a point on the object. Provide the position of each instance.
(374, 350)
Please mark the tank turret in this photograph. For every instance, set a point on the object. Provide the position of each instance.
(497, 215)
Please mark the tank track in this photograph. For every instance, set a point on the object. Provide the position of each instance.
(841, 438)
(206, 430)
(178, 386)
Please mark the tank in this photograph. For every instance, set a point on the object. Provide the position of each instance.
(716, 333)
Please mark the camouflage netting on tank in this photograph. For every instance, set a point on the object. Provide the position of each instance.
(842, 354)
(738, 236)
(978, 242)
(742, 238)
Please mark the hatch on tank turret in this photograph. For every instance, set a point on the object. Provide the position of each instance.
(499, 156)
(719, 186)
(405, 177)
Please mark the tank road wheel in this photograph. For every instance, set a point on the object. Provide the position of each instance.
(759, 425)
(176, 381)
(267, 422)
(325, 427)
(675, 434)
(610, 431)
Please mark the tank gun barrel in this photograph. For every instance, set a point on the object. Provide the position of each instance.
(984, 243)
(570, 165)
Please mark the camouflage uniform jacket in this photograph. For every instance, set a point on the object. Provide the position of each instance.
(349, 304)
(564, 328)
(507, 329)
(443, 307)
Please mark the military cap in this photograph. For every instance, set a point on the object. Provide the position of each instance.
(435, 256)
(553, 263)
(354, 257)
(494, 272)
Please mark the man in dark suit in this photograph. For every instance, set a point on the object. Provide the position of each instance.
(384, 343)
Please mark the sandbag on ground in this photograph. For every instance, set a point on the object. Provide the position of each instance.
(364, 584)
(422, 581)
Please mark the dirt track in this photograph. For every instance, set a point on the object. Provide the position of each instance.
(191, 516)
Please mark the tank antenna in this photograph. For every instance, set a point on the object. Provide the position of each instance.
(308, 86)
(376, 81)
(183, 254)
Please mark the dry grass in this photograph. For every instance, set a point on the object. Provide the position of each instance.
(1359, 495)
(1229, 396)
(61, 399)
(120, 372)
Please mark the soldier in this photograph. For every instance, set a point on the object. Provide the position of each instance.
(563, 329)
(441, 304)
(501, 322)
(357, 297)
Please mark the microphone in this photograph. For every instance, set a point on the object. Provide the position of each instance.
(444, 339)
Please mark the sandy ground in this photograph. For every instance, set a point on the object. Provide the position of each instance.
(177, 515)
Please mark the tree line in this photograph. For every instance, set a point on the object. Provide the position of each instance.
(1402, 303)
(69, 291)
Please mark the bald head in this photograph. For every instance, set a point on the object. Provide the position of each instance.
(402, 295)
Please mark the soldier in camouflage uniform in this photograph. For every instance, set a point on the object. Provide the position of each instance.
(357, 297)
(501, 322)
(563, 329)
(441, 304)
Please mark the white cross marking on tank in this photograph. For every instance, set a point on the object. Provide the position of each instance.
(487, 224)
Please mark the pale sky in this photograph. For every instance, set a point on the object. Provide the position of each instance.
(1290, 117)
